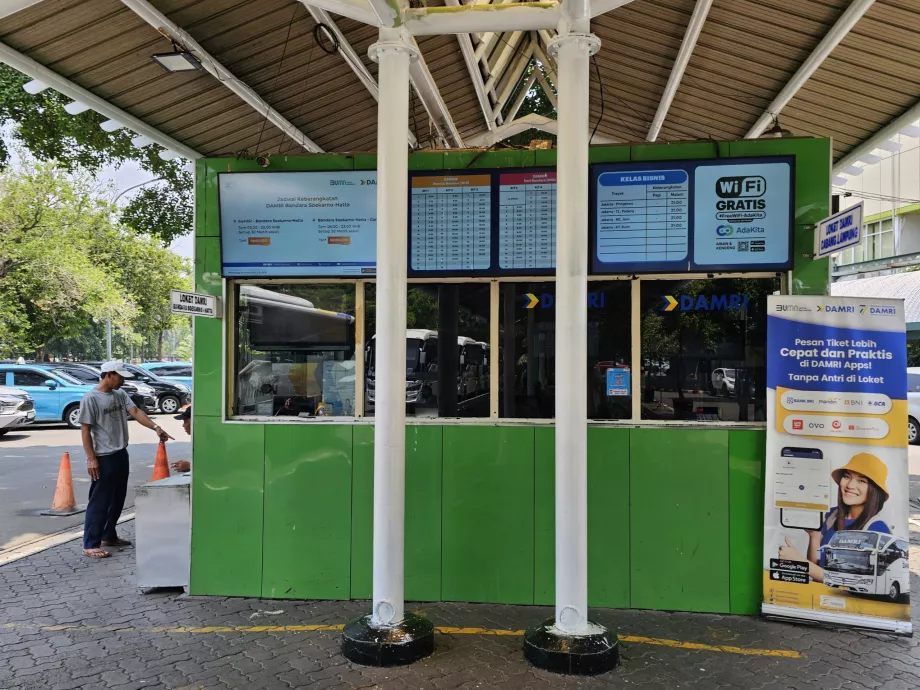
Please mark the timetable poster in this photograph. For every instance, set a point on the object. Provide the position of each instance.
(643, 218)
(293, 224)
(450, 223)
(527, 221)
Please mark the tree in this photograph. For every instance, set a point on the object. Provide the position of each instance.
(67, 265)
(40, 124)
(535, 102)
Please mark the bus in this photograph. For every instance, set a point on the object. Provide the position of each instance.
(867, 563)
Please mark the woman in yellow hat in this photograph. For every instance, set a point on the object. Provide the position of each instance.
(861, 495)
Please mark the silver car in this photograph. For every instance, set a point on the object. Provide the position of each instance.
(17, 409)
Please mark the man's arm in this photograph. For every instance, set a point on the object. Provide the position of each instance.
(92, 463)
(141, 418)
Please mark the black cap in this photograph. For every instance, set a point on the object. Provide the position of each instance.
(185, 414)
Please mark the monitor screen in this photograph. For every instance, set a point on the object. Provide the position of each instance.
(298, 224)
(697, 216)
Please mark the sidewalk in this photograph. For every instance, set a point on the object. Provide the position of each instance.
(69, 622)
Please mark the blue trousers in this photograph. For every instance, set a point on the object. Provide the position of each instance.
(106, 499)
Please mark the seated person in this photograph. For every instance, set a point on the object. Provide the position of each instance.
(186, 417)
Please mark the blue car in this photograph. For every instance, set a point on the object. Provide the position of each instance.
(57, 396)
(180, 372)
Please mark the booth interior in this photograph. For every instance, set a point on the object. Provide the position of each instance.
(283, 434)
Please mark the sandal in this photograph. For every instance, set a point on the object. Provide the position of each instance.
(116, 542)
(96, 553)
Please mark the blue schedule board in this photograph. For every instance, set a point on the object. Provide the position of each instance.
(714, 215)
(298, 224)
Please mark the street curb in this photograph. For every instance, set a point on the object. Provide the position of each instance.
(45, 543)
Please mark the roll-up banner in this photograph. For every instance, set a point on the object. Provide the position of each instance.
(835, 516)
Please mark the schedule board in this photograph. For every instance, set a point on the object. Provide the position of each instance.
(298, 224)
(713, 215)
(450, 223)
(526, 221)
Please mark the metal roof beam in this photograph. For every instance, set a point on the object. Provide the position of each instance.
(161, 23)
(504, 58)
(465, 19)
(909, 116)
(31, 68)
(387, 13)
(547, 88)
(522, 124)
(472, 66)
(359, 10)
(522, 94)
(838, 32)
(424, 84)
(694, 27)
(513, 76)
(350, 56)
(602, 6)
(8, 7)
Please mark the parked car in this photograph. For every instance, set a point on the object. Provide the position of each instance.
(57, 396)
(722, 382)
(913, 405)
(180, 372)
(141, 394)
(17, 409)
(170, 395)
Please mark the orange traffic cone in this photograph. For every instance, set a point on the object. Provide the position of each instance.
(64, 502)
(161, 466)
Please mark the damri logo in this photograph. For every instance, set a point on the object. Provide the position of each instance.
(724, 230)
(704, 302)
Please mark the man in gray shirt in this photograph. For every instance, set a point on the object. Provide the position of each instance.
(104, 426)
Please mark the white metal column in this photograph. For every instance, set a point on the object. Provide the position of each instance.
(393, 52)
(572, 49)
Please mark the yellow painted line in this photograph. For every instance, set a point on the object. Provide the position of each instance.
(443, 630)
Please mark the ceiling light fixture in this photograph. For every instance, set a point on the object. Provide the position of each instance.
(776, 131)
(34, 87)
(177, 61)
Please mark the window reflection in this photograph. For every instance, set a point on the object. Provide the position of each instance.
(447, 350)
(704, 349)
(295, 350)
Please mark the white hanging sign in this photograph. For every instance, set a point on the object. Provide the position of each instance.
(193, 304)
(838, 232)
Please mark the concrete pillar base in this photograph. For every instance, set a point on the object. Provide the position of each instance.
(549, 648)
(397, 645)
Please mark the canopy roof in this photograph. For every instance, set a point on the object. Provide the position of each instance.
(275, 82)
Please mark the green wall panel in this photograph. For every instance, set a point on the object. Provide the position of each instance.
(423, 513)
(608, 517)
(307, 524)
(544, 519)
(208, 332)
(608, 154)
(679, 546)
(227, 508)
(746, 462)
(488, 514)
(680, 151)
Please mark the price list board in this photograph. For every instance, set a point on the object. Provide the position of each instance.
(527, 221)
(450, 223)
(643, 217)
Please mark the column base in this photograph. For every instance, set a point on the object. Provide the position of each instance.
(398, 645)
(547, 647)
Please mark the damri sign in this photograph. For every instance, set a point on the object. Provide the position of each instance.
(192, 304)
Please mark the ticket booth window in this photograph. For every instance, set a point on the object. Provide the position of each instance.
(295, 350)
(703, 345)
(447, 350)
(527, 350)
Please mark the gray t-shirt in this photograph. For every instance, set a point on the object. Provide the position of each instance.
(107, 415)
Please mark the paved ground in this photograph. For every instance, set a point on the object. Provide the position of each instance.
(29, 463)
(68, 622)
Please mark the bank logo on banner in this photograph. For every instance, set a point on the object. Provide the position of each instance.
(835, 515)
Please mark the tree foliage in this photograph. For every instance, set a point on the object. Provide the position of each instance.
(67, 265)
(40, 124)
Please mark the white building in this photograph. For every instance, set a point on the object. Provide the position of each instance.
(887, 181)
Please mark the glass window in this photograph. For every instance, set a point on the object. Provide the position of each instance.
(527, 350)
(913, 382)
(703, 348)
(295, 350)
(447, 350)
(30, 378)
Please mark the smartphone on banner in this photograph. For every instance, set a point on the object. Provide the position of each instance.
(801, 487)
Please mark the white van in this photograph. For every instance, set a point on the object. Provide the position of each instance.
(868, 563)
